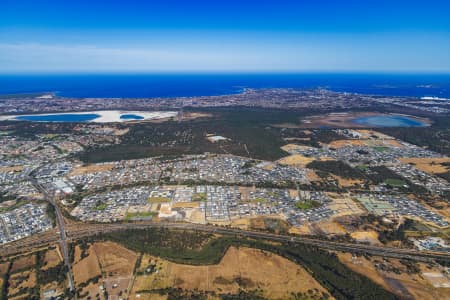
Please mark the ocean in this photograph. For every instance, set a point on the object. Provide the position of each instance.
(186, 85)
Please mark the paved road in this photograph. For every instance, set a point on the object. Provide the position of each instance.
(62, 231)
(77, 231)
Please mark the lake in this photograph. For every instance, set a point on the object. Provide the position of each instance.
(131, 117)
(59, 117)
(389, 121)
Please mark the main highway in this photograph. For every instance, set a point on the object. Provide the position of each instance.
(76, 230)
(61, 228)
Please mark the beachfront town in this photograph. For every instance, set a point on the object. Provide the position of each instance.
(219, 189)
(278, 98)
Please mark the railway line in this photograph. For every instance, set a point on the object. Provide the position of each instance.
(77, 231)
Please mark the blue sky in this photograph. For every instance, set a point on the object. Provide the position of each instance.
(230, 36)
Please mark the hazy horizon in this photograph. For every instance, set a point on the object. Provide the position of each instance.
(200, 36)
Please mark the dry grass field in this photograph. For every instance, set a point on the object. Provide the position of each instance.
(3, 268)
(365, 142)
(108, 261)
(196, 216)
(343, 143)
(436, 278)
(329, 227)
(91, 290)
(243, 223)
(114, 258)
(186, 205)
(432, 165)
(21, 280)
(11, 169)
(20, 297)
(312, 176)
(366, 236)
(117, 263)
(406, 286)
(23, 262)
(86, 268)
(52, 258)
(347, 182)
(244, 268)
(291, 147)
(295, 160)
(93, 168)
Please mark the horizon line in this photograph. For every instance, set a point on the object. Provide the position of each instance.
(236, 72)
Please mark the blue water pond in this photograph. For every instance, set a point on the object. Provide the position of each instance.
(131, 117)
(59, 117)
(388, 121)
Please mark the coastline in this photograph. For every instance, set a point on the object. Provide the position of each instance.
(217, 84)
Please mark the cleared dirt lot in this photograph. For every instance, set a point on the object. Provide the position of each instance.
(343, 205)
(244, 268)
(91, 169)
